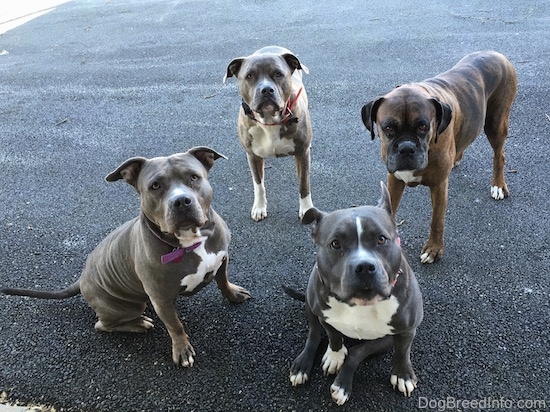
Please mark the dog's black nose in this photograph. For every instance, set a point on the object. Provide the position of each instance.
(365, 268)
(182, 202)
(268, 90)
(407, 148)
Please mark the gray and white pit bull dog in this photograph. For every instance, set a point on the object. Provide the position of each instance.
(174, 247)
(274, 118)
(362, 288)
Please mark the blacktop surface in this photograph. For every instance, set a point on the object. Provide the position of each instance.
(89, 84)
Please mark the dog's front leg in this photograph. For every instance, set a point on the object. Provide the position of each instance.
(301, 367)
(341, 388)
(233, 293)
(259, 208)
(182, 351)
(396, 188)
(434, 247)
(402, 374)
(303, 161)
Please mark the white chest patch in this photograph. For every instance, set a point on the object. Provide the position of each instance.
(211, 262)
(407, 176)
(268, 143)
(362, 322)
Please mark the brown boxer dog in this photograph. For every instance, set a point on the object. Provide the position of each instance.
(425, 128)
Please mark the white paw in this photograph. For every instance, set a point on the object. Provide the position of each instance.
(497, 193)
(258, 212)
(299, 379)
(305, 205)
(333, 361)
(426, 258)
(404, 386)
(338, 394)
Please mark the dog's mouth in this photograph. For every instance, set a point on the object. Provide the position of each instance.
(268, 108)
(367, 298)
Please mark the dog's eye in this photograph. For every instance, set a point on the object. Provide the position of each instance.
(423, 128)
(388, 130)
(249, 76)
(382, 240)
(155, 186)
(278, 74)
(335, 244)
(194, 178)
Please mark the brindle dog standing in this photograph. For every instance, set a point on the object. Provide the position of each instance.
(425, 128)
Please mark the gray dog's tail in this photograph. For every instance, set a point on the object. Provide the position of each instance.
(294, 293)
(69, 292)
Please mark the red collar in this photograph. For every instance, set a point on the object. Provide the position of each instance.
(288, 115)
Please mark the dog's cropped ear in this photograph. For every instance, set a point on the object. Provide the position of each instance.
(294, 63)
(443, 114)
(385, 199)
(233, 68)
(129, 171)
(368, 115)
(206, 156)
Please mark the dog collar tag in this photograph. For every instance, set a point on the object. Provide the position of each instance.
(177, 254)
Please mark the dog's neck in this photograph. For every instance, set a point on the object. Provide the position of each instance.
(287, 116)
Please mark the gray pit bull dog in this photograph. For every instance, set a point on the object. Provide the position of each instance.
(361, 288)
(174, 247)
(274, 118)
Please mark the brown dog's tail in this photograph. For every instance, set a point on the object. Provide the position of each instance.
(294, 293)
(69, 292)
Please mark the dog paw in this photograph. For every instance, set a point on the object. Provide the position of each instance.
(405, 386)
(431, 253)
(298, 379)
(339, 395)
(498, 193)
(236, 294)
(258, 213)
(183, 355)
(332, 361)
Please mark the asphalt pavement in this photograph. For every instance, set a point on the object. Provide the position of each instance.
(91, 83)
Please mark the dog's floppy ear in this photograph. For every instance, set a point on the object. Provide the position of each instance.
(443, 114)
(313, 215)
(385, 199)
(294, 63)
(129, 171)
(206, 156)
(233, 68)
(368, 114)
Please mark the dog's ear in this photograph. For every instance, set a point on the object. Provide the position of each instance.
(294, 63)
(314, 216)
(206, 156)
(443, 114)
(311, 215)
(233, 68)
(368, 115)
(129, 171)
(385, 199)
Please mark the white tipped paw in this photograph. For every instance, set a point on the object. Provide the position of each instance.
(404, 386)
(258, 213)
(497, 193)
(427, 258)
(339, 395)
(298, 379)
(333, 361)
